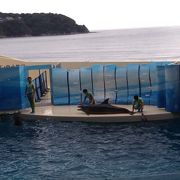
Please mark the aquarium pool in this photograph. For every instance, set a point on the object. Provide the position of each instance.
(73, 150)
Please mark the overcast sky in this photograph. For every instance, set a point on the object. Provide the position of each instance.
(104, 14)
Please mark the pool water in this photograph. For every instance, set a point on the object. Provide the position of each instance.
(60, 150)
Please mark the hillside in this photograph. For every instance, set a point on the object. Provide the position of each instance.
(37, 24)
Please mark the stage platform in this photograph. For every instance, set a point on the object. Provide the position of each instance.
(45, 110)
(71, 113)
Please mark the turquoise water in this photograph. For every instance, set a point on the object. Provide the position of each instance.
(58, 150)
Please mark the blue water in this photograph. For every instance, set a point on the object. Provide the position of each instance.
(60, 150)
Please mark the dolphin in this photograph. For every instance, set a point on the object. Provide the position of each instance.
(103, 108)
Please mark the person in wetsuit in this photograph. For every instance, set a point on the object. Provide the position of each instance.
(30, 93)
(138, 104)
(89, 96)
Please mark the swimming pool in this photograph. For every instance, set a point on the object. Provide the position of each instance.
(60, 150)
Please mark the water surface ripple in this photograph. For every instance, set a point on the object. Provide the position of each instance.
(112, 45)
(58, 150)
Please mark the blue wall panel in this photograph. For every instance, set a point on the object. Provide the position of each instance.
(133, 81)
(37, 82)
(145, 90)
(172, 74)
(98, 82)
(110, 82)
(13, 82)
(122, 88)
(120, 84)
(155, 94)
(154, 84)
(59, 86)
(85, 80)
(10, 93)
(161, 87)
(74, 86)
(23, 73)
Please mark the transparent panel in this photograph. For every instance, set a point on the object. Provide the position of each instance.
(74, 86)
(60, 90)
(121, 83)
(161, 87)
(172, 74)
(98, 82)
(10, 92)
(110, 82)
(42, 85)
(86, 80)
(23, 80)
(38, 86)
(145, 89)
(154, 84)
(45, 80)
(38, 93)
(133, 81)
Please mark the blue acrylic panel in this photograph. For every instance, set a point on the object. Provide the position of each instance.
(98, 82)
(86, 80)
(41, 81)
(74, 86)
(172, 76)
(161, 95)
(39, 86)
(59, 86)
(38, 89)
(36, 94)
(133, 81)
(23, 73)
(145, 89)
(110, 82)
(45, 80)
(121, 83)
(154, 84)
(10, 92)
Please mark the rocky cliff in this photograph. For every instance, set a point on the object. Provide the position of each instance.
(37, 24)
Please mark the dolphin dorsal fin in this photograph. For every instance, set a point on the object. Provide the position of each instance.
(106, 101)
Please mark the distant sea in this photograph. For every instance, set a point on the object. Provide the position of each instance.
(110, 45)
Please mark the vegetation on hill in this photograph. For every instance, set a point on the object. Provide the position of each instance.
(37, 24)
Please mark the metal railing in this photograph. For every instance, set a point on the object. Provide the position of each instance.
(41, 86)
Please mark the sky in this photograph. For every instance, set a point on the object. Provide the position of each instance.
(104, 14)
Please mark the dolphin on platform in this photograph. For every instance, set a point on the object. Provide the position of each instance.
(103, 108)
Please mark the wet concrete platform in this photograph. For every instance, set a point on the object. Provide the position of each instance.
(45, 110)
(71, 113)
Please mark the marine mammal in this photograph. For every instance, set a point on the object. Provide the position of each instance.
(103, 108)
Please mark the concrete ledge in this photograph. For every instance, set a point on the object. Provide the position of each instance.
(71, 113)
